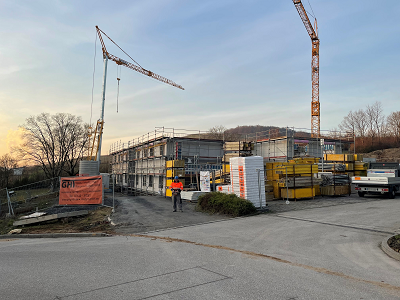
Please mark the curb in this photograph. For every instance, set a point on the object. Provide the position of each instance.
(53, 235)
(389, 251)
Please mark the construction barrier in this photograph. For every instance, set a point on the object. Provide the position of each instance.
(81, 190)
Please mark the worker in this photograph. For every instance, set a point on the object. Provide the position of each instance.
(176, 187)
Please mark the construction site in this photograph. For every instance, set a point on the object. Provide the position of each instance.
(281, 163)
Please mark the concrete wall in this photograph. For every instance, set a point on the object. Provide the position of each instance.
(275, 149)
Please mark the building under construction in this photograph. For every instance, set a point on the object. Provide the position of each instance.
(140, 165)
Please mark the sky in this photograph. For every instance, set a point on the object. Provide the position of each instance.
(240, 62)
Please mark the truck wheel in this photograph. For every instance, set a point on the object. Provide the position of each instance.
(361, 194)
(392, 193)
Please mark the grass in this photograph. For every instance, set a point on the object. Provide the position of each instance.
(228, 204)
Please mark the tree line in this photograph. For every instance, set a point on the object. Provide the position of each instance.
(53, 143)
(372, 129)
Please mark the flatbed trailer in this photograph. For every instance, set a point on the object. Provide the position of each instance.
(383, 178)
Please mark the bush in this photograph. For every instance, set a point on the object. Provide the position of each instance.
(228, 204)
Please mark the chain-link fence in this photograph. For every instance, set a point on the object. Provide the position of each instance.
(29, 197)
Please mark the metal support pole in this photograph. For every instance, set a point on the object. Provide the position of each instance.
(214, 180)
(259, 187)
(102, 105)
(287, 189)
(113, 177)
(10, 209)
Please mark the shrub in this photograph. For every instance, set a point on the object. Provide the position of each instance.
(228, 204)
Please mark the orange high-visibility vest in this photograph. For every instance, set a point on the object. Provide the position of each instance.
(176, 185)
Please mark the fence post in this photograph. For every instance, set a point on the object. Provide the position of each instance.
(259, 188)
(10, 209)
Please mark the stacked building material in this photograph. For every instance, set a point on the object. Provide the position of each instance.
(174, 168)
(334, 179)
(302, 181)
(338, 167)
(360, 168)
(247, 182)
(294, 173)
(345, 159)
(226, 189)
(191, 195)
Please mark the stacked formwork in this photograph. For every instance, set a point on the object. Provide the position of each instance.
(342, 167)
(174, 168)
(293, 180)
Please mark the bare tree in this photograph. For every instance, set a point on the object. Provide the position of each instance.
(375, 120)
(220, 132)
(360, 124)
(7, 164)
(348, 123)
(393, 124)
(54, 142)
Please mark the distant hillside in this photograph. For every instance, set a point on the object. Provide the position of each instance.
(260, 131)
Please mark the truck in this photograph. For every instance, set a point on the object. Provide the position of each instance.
(382, 178)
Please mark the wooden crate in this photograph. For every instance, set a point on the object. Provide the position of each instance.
(337, 190)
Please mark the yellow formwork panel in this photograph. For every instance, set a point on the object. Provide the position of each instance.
(226, 168)
(349, 166)
(276, 189)
(306, 160)
(317, 189)
(360, 166)
(175, 163)
(296, 169)
(168, 193)
(339, 157)
(298, 193)
(175, 172)
(358, 157)
(360, 173)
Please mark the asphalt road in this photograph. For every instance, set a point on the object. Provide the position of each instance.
(150, 213)
(317, 253)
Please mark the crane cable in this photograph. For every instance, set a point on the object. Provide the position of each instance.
(118, 79)
(313, 14)
(120, 48)
(94, 70)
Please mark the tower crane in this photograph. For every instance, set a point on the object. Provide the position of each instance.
(313, 33)
(95, 143)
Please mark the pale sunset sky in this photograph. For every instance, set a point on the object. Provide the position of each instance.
(240, 62)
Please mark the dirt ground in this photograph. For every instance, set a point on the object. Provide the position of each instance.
(394, 243)
(386, 155)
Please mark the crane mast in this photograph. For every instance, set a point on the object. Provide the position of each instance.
(313, 33)
(94, 150)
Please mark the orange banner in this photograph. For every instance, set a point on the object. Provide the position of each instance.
(81, 190)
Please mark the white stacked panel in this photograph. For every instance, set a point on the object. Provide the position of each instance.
(192, 195)
(247, 185)
(226, 189)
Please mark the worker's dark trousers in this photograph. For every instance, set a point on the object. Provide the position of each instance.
(176, 199)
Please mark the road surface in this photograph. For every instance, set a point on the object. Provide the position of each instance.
(318, 253)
